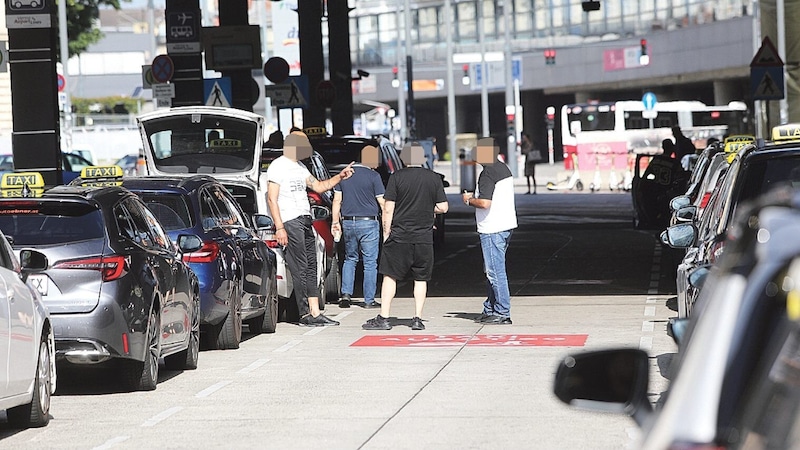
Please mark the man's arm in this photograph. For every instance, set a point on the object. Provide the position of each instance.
(481, 203)
(272, 203)
(441, 207)
(336, 210)
(321, 186)
(388, 214)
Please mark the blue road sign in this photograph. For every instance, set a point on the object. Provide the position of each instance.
(649, 100)
(163, 68)
(217, 91)
(766, 82)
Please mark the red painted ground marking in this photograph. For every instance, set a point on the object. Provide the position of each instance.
(483, 340)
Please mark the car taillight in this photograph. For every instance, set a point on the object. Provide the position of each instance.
(314, 198)
(705, 199)
(111, 267)
(272, 243)
(207, 253)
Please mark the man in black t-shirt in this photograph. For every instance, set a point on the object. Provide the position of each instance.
(413, 195)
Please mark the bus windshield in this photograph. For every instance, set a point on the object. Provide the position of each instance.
(590, 117)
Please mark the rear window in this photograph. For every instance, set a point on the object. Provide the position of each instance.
(202, 143)
(170, 209)
(339, 152)
(31, 223)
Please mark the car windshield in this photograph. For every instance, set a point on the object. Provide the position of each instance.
(45, 223)
(170, 209)
(201, 143)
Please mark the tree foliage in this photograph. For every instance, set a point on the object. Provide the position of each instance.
(82, 17)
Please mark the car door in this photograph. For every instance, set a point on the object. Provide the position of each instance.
(23, 354)
(5, 341)
(254, 252)
(175, 309)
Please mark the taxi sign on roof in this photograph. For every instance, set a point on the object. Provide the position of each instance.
(33, 180)
(22, 184)
(98, 176)
(736, 142)
(788, 132)
(315, 131)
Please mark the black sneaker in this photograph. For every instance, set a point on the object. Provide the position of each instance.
(416, 324)
(323, 321)
(377, 323)
(308, 321)
(372, 305)
(344, 302)
(496, 320)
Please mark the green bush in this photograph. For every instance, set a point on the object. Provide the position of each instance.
(104, 105)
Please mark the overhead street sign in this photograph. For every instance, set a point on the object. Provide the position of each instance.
(183, 32)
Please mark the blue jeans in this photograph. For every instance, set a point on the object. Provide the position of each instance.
(494, 246)
(361, 239)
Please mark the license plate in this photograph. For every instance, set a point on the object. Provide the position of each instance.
(40, 282)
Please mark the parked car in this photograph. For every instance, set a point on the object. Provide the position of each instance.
(235, 268)
(735, 381)
(225, 143)
(754, 170)
(71, 165)
(116, 286)
(28, 372)
(130, 164)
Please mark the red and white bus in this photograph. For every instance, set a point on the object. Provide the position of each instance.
(611, 134)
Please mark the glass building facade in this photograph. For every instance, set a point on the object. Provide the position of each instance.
(377, 28)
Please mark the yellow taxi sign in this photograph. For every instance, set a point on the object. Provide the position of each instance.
(788, 132)
(737, 141)
(104, 172)
(33, 180)
(315, 131)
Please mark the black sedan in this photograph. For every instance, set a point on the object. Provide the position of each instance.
(116, 286)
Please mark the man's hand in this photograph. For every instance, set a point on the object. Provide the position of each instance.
(347, 172)
(466, 196)
(281, 237)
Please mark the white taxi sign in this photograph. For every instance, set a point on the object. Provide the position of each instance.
(101, 176)
(788, 132)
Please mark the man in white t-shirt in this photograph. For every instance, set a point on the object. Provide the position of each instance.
(496, 215)
(288, 204)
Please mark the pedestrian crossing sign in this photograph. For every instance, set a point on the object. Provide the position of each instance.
(766, 83)
(292, 93)
(217, 91)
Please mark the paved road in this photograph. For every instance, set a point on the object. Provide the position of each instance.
(582, 278)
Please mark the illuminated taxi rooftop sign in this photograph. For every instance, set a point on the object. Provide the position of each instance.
(97, 176)
(22, 184)
(735, 143)
(315, 131)
(788, 132)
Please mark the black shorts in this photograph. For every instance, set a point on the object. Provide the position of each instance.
(398, 259)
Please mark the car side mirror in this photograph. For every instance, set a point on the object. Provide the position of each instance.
(263, 222)
(682, 235)
(606, 380)
(686, 213)
(32, 260)
(320, 212)
(189, 243)
(679, 202)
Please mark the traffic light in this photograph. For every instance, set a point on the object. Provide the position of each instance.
(550, 56)
(465, 77)
(510, 124)
(644, 58)
(395, 81)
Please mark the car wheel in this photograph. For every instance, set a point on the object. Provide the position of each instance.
(270, 320)
(37, 412)
(333, 282)
(231, 333)
(187, 359)
(143, 375)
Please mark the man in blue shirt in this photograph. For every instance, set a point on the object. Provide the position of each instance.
(357, 206)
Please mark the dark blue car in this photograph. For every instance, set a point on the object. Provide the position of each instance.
(235, 268)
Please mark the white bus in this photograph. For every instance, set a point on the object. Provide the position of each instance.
(610, 134)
